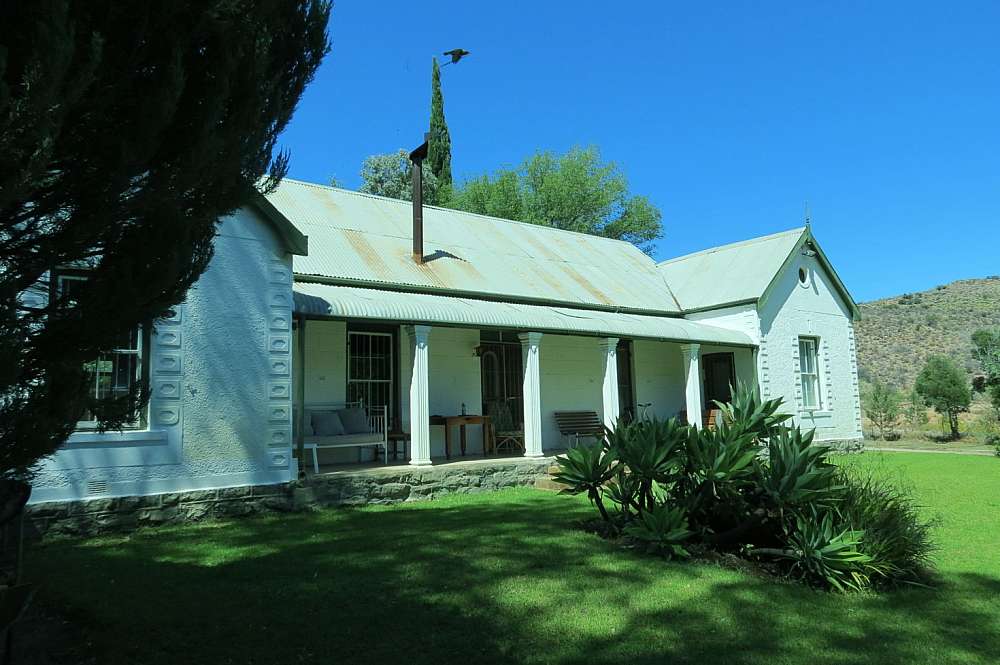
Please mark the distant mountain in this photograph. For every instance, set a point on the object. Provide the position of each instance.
(896, 335)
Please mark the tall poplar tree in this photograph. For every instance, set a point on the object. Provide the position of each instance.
(439, 148)
(127, 129)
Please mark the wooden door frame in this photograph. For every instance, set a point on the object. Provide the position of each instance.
(732, 373)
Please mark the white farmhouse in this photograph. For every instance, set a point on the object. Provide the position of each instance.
(334, 327)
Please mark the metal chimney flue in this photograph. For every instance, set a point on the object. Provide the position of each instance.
(417, 158)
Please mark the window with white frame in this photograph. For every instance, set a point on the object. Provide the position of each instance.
(809, 373)
(112, 374)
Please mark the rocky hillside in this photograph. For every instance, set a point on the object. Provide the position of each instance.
(895, 335)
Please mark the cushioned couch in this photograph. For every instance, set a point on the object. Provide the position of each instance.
(344, 426)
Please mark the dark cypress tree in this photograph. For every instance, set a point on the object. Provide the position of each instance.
(127, 128)
(439, 148)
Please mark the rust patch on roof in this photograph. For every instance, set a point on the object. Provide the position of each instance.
(367, 254)
(551, 280)
(546, 252)
(599, 295)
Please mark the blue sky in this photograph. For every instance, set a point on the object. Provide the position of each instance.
(884, 116)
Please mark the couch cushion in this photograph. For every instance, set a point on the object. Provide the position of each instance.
(327, 423)
(355, 421)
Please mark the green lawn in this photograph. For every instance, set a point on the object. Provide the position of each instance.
(508, 577)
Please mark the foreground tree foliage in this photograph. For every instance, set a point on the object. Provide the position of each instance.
(127, 129)
(752, 487)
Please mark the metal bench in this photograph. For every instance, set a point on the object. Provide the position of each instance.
(574, 424)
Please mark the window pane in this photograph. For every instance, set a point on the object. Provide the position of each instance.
(809, 396)
(807, 356)
(370, 369)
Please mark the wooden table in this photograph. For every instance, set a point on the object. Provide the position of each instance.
(461, 421)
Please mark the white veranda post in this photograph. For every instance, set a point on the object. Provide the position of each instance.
(532, 394)
(420, 428)
(692, 383)
(609, 387)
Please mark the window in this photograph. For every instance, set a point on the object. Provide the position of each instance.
(370, 369)
(809, 373)
(112, 374)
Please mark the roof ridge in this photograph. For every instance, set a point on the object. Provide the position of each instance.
(740, 243)
(463, 212)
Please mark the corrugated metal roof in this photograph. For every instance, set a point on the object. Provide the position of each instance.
(364, 239)
(739, 272)
(347, 302)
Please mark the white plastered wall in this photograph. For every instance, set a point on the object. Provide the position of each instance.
(658, 368)
(326, 378)
(571, 374)
(220, 372)
(659, 373)
(790, 310)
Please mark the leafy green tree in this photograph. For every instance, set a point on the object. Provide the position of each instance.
(499, 196)
(391, 174)
(127, 129)
(439, 147)
(915, 411)
(576, 191)
(943, 386)
(986, 349)
(882, 407)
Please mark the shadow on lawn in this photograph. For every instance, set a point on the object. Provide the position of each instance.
(497, 581)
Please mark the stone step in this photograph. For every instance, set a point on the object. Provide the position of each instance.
(547, 484)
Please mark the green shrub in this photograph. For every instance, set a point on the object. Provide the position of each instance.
(994, 440)
(896, 537)
(752, 486)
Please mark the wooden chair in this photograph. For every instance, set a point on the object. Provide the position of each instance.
(711, 419)
(574, 424)
(504, 434)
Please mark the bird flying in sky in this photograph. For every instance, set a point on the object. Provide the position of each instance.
(456, 55)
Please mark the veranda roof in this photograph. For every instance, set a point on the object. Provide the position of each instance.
(348, 302)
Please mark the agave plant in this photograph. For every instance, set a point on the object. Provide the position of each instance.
(717, 460)
(822, 553)
(586, 469)
(748, 414)
(797, 474)
(652, 452)
(662, 530)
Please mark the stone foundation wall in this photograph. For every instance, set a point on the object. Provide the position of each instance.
(343, 488)
(846, 445)
(398, 483)
(117, 514)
